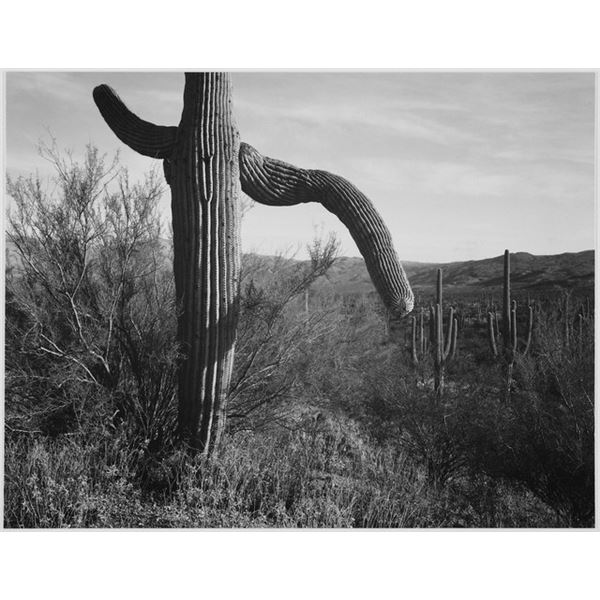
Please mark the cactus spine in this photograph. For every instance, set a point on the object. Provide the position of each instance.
(204, 165)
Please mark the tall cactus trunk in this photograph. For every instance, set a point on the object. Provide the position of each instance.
(509, 325)
(442, 350)
(510, 341)
(204, 180)
(506, 306)
(202, 168)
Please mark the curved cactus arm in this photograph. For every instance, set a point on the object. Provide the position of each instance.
(513, 328)
(415, 357)
(491, 336)
(454, 338)
(421, 332)
(529, 329)
(146, 138)
(273, 182)
(446, 351)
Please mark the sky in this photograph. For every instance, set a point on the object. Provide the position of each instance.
(460, 165)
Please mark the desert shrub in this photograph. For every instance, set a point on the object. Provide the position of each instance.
(275, 335)
(90, 302)
(542, 436)
(556, 410)
(536, 446)
(429, 429)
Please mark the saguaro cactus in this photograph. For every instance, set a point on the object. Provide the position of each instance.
(443, 347)
(442, 350)
(509, 332)
(509, 335)
(204, 165)
(201, 166)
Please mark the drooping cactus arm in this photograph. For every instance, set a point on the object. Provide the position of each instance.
(146, 138)
(273, 182)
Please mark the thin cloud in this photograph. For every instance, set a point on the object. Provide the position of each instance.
(460, 165)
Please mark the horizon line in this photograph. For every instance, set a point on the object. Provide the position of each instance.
(440, 262)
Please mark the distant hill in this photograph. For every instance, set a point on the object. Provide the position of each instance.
(529, 273)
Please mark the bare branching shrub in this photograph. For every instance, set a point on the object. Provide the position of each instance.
(554, 453)
(90, 301)
(429, 430)
(542, 437)
(275, 333)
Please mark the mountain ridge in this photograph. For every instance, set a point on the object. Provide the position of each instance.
(529, 272)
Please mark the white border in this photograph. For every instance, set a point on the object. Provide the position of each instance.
(290, 564)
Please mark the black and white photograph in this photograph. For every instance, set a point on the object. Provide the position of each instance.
(332, 299)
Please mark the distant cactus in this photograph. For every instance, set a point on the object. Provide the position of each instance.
(493, 331)
(204, 164)
(509, 333)
(443, 351)
(442, 347)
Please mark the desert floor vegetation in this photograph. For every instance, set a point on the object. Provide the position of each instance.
(331, 421)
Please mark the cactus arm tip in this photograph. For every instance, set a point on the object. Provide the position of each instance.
(146, 138)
